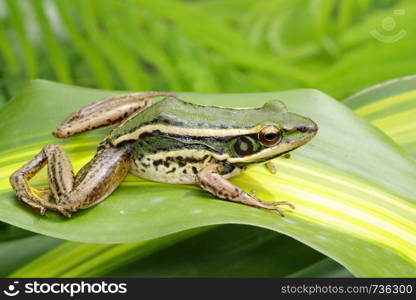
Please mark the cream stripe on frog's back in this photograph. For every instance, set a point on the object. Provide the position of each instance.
(177, 166)
(183, 131)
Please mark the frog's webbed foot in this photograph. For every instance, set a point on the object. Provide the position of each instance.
(276, 203)
(210, 180)
(93, 183)
(106, 112)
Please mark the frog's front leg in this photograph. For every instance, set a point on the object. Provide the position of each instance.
(93, 183)
(210, 180)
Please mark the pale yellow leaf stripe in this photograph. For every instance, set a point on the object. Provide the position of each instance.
(400, 125)
(386, 103)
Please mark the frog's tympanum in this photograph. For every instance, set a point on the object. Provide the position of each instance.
(169, 140)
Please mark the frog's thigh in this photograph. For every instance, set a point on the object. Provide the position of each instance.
(100, 177)
(211, 181)
(60, 171)
(93, 183)
(106, 112)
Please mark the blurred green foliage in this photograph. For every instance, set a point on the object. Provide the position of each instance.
(337, 46)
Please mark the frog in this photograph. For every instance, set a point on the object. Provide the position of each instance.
(160, 137)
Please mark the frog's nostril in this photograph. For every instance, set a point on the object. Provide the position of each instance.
(302, 128)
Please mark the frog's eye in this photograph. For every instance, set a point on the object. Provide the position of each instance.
(270, 136)
(243, 146)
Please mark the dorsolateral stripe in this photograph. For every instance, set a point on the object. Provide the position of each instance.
(182, 131)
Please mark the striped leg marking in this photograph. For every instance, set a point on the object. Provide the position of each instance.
(211, 181)
(106, 112)
(93, 183)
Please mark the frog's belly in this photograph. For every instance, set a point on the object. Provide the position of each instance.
(180, 166)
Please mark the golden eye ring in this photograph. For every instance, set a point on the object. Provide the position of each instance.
(270, 136)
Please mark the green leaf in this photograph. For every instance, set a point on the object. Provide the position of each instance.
(391, 107)
(351, 185)
(321, 269)
(8, 232)
(202, 252)
(17, 253)
(232, 251)
(73, 259)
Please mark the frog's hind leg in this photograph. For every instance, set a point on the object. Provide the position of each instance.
(93, 183)
(106, 112)
(210, 180)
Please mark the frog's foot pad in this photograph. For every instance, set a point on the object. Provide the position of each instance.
(271, 167)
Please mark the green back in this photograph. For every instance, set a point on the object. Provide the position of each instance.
(176, 112)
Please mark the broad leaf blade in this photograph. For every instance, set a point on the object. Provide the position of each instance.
(16, 253)
(215, 251)
(391, 107)
(351, 185)
(231, 251)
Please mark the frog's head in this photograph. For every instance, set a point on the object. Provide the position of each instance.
(279, 133)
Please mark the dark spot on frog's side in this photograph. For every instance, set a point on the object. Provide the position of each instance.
(145, 165)
(171, 171)
(157, 163)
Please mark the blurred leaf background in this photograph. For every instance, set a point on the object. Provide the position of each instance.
(336, 46)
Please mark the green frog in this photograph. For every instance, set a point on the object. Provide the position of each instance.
(168, 140)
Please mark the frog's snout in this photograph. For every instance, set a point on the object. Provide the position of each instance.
(311, 127)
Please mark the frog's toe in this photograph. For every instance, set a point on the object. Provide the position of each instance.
(284, 203)
(42, 211)
(276, 209)
(41, 203)
(34, 203)
(64, 212)
(271, 167)
(274, 203)
(57, 208)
